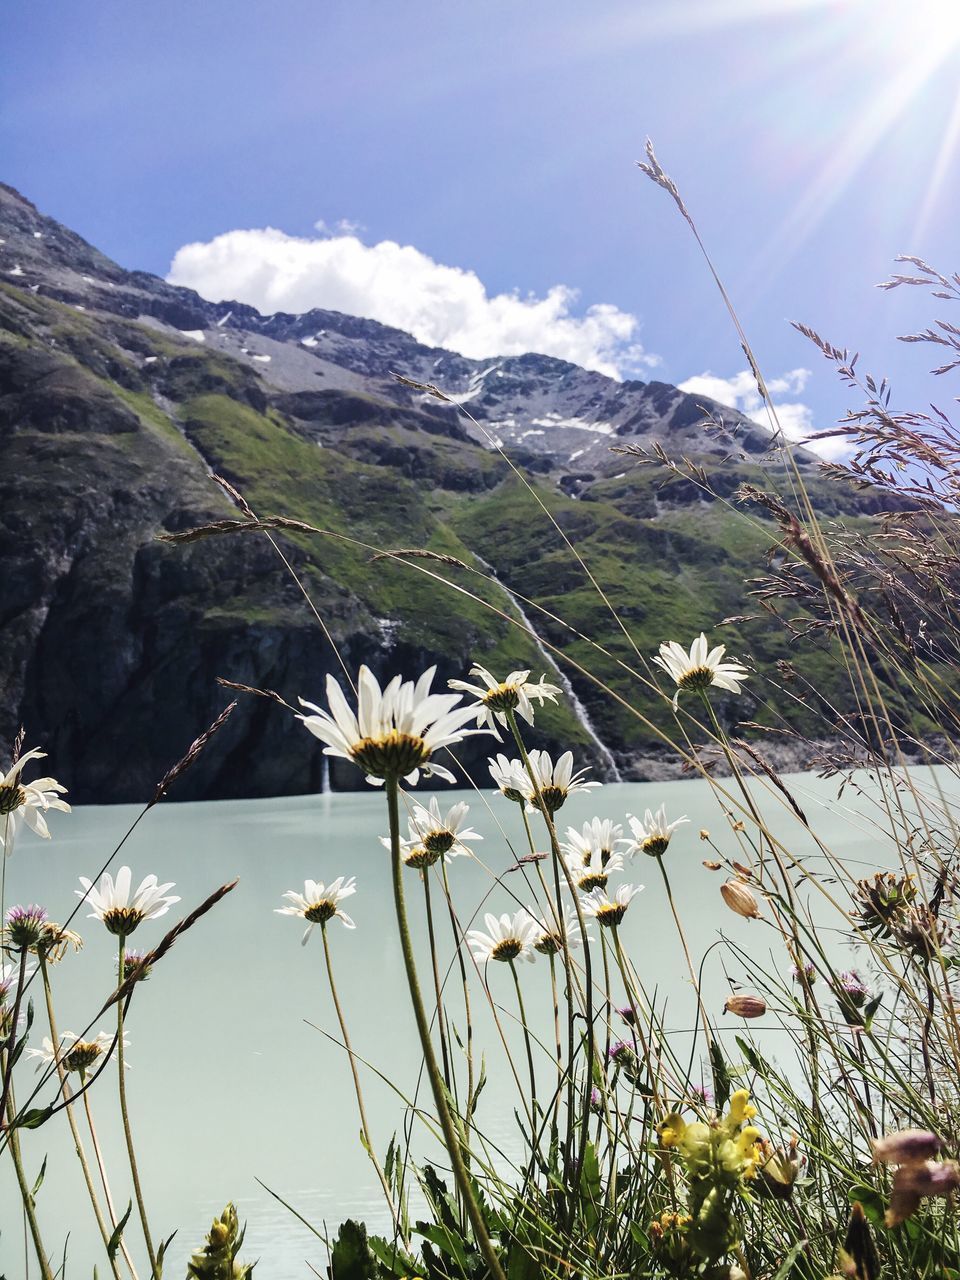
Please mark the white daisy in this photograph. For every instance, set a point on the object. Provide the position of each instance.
(549, 941)
(432, 836)
(554, 781)
(652, 834)
(595, 843)
(394, 731)
(443, 834)
(591, 875)
(75, 1054)
(319, 903)
(507, 938)
(27, 801)
(699, 669)
(609, 909)
(113, 905)
(497, 697)
(511, 777)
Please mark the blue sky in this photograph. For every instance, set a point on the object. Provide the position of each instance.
(811, 138)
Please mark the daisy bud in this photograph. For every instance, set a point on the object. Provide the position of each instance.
(704, 833)
(740, 899)
(913, 1181)
(909, 1145)
(25, 925)
(713, 866)
(746, 1006)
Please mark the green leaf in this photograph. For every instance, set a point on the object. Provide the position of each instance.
(447, 1241)
(32, 1119)
(351, 1257)
(721, 1075)
(396, 1261)
(590, 1187)
(786, 1266)
(481, 1083)
(39, 1182)
(114, 1243)
(870, 1199)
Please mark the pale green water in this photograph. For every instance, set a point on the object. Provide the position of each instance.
(230, 1083)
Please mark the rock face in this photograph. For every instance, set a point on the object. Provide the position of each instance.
(121, 395)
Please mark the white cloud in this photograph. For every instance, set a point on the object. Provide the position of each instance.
(796, 418)
(398, 285)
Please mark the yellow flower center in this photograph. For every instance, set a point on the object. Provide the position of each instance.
(12, 796)
(696, 678)
(321, 912)
(392, 756)
(507, 949)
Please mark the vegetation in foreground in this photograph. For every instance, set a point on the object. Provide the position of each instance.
(638, 1158)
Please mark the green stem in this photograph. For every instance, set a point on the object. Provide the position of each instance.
(438, 990)
(364, 1122)
(29, 1208)
(527, 1045)
(71, 1118)
(98, 1155)
(457, 941)
(451, 1137)
(127, 1132)
(686, 952)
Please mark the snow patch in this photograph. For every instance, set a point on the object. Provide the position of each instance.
(309, 342)
(88, 279)
(38, 235)
(263, 359)
(15, 271)
(196, 334)
(149, 359)
(557, 420)
(531, 432)
(223, 320)
(576, 454)
(79, 307)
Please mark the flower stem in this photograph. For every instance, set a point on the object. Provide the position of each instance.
(98, 1155)
(364, 1122)
(527, 1046)
(441, 1029)
(11, 1041)
(127, 1132)
(71, 1118)
(451, 1138)
(29, 1208)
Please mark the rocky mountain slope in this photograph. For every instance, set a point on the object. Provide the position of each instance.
(120, 395)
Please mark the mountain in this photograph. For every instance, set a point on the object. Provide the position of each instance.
(121, 396)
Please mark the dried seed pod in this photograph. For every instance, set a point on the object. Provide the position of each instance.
(740, 899)
(746, 1006)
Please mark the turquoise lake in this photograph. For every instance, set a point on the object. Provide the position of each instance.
(233, 1078)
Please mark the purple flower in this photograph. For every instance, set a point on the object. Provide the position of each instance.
(701, 1096)
(25, 925)
(628, 1015)
(621, 1053)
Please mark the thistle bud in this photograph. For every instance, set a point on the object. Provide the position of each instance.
(746, 1006)
(740, 899)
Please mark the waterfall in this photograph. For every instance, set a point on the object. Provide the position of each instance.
(579, 709)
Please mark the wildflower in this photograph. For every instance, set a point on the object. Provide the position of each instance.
(621, 1054)
(498, 697)
(920, 931)
(55, 940)
(807, 974)
(746, 1006)
(699, 669)
(218, 1257)
(701, 1096)
(740, 898)
(628, 1015)
(73, 1053)
(507, 938)
(913, 1181)
(853, 987)
(27, 801)
(906, 1147)
(133, 963)
(511, 777)
(595, 843)
(112, 903)
(591, 876)
(740, 1109)
(883, 899)
(395, 731)
(24, 926)
(319, 903)
(444, 835)
(596, 1102)
(852, 996)
(549, 941)
(608, 910)
(652, 834)
(780, 1167)
(554, 781)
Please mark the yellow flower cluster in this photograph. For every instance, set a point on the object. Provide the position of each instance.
(719, 1159)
